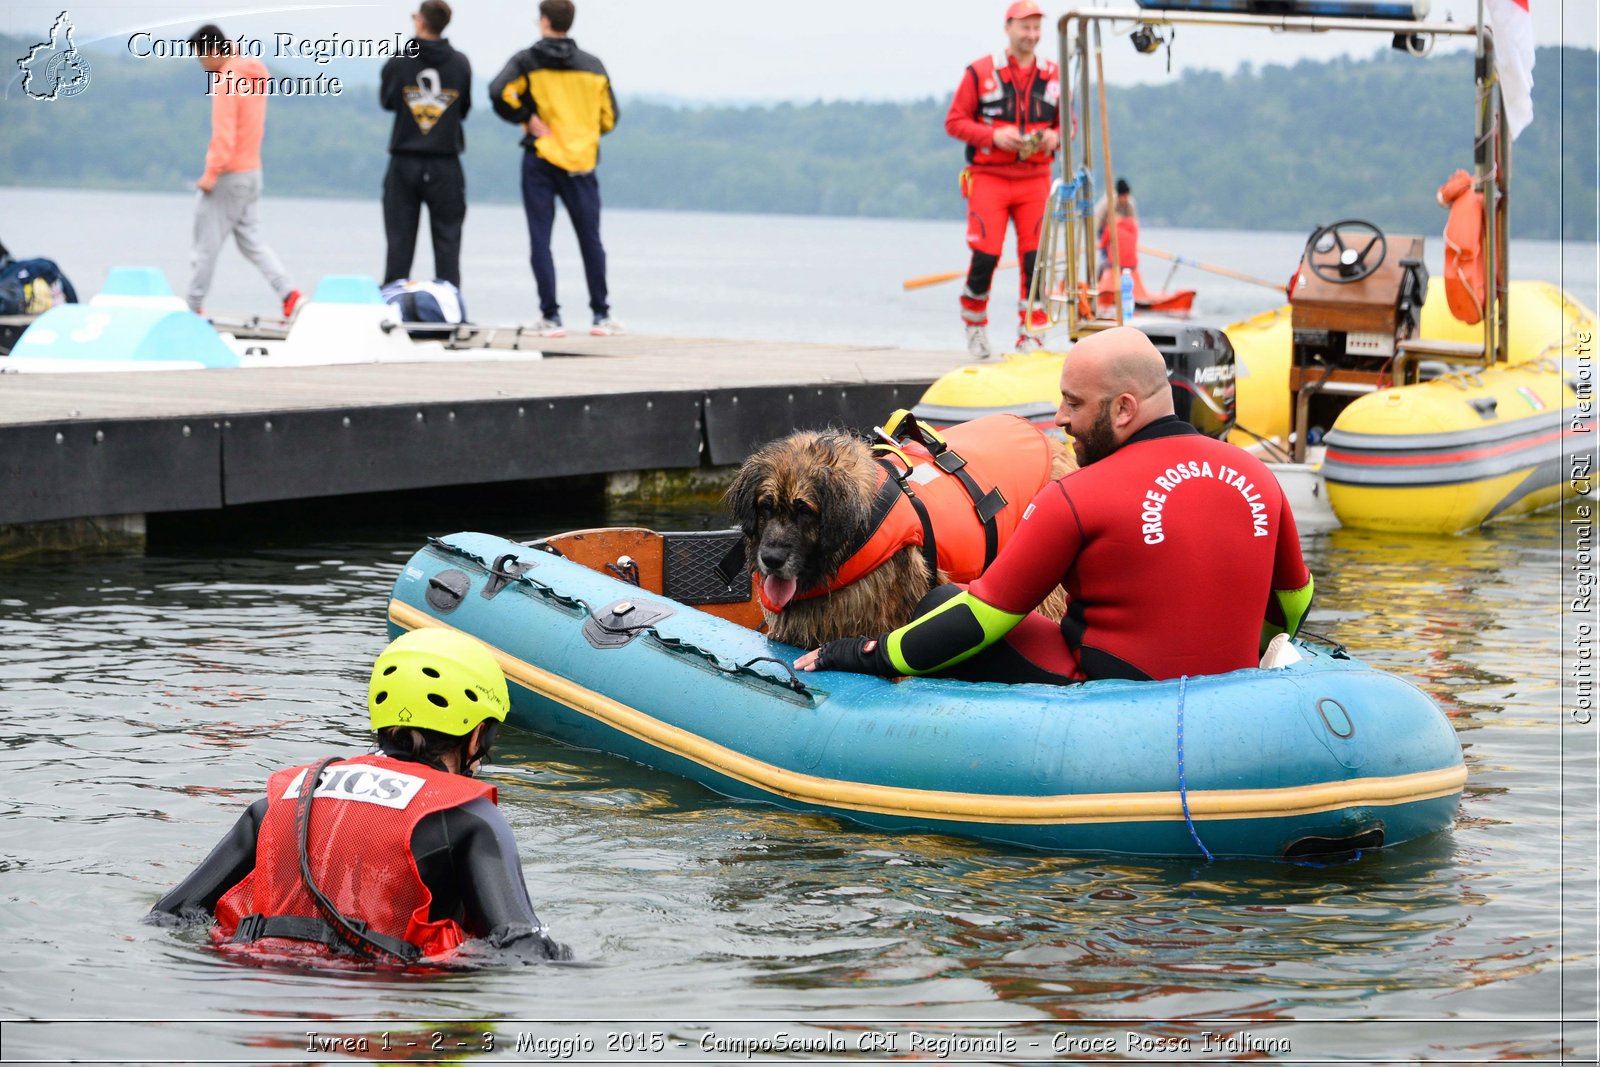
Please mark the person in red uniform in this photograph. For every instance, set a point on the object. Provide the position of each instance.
(393, 858)
(1125, 214)
(1178, 552)
(1005, 109)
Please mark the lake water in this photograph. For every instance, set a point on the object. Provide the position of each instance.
(146, 699)
(682, 274)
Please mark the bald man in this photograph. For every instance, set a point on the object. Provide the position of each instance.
(1178, 552)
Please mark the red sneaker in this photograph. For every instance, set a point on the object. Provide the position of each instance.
(290, 303)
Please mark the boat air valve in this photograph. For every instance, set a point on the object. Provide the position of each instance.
(619, 623)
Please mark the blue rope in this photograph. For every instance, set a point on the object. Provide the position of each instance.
(1183, 789)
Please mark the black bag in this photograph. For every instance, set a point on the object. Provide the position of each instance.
(41, 283)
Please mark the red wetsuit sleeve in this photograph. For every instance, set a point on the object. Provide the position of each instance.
(1038, 556)
(1289, 569)
(959, 122)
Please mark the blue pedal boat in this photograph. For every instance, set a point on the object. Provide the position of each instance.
(1327, 755)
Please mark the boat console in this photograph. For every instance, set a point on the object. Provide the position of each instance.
(1357, 297)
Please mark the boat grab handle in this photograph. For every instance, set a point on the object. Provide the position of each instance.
(674, 644)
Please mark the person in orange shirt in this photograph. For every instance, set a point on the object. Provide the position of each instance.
(230, 188)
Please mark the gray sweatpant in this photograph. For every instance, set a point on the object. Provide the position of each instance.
(231, 208)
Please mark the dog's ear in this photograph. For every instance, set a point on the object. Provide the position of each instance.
(843, 499)
(742, 491)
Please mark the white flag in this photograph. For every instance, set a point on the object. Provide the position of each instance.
(1513, 60)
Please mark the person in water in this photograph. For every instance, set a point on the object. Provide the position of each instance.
(394, 857)
(1178, 552)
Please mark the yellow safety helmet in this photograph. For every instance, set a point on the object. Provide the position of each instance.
(437, 680)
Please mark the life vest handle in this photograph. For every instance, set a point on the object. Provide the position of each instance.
(902, 425)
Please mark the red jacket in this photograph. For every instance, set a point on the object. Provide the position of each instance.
(994, 91)
(1127, 242)
(361, 824)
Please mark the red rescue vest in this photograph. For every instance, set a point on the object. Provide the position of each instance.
(999, 104)
(1007, 460)
(1464, 285)
(362, 819)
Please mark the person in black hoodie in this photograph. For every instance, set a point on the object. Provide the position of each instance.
(561, 97)
(429, 88)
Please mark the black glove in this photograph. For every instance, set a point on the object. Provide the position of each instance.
(861, 655)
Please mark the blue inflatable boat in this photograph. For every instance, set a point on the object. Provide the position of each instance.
(1326, 755)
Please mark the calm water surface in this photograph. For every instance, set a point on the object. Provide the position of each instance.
(146, 700)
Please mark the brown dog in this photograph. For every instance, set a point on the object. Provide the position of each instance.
(809, 503)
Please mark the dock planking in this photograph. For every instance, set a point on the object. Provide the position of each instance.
(91, 444)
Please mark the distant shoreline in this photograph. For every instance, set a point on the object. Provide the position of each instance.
(1282, 147)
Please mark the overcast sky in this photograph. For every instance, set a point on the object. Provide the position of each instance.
(727, 51)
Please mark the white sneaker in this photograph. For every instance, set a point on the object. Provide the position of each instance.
(606, 327)
(548, 328)
(978, 343)
(1027, 342)
(1280, 653)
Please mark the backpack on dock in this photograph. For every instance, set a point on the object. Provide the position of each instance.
(435, 306)
(32, 286)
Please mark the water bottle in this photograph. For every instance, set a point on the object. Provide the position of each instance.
(1127, 294)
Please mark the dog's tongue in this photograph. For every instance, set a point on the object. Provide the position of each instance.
(778, 591)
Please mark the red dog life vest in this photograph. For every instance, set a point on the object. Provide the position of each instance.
(1004, 455)
(362, 818)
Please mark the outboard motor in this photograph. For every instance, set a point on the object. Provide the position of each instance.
(1200, 367)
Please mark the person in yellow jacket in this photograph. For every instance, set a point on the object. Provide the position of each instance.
(561, 96)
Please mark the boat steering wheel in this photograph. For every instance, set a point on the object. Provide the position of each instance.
(1351, 264)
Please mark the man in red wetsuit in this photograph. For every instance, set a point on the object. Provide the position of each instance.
(1005, 109)
(1178, 551)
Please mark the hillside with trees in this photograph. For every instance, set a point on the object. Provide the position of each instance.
(1274, 147)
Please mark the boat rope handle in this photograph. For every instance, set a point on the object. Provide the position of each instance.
(666, 641)
(1183, 789)
(1338, 651)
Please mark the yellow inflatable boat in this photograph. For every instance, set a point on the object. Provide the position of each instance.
(1467, 445)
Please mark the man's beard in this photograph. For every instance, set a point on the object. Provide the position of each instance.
(1099, 441)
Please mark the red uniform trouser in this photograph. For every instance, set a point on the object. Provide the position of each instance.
(992, 201)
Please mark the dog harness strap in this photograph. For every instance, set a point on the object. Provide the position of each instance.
(733, 563)
(930, 548)
(986, 504)
(890, 491)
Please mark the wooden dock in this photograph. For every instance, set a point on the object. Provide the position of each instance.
(99, 444)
